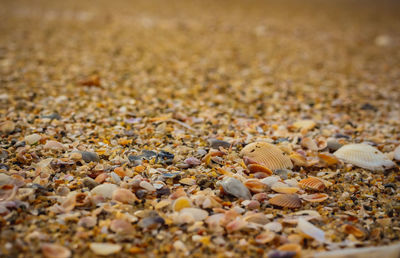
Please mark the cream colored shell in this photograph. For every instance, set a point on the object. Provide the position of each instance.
(364, 156)
(267, 154)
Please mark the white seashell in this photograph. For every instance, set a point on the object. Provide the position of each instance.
(270, 180)
(397, 153)
(273, 226)
(236, 188)
(104, 190)
(364, 156)
(311, 230)
(391, 251)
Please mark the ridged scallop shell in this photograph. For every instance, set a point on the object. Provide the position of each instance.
(266, 154)
(312, 183)
(364, 156)
(318, 197)
(286, 200)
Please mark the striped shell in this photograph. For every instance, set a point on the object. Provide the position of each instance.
(312, 183)
(364, 156)
(266, 154)
(318, 197)
(286, 200)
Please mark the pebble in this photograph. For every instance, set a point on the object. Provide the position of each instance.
(192, 161)
(7, 127)
(87, 222)
(105, 248)
(196, 213)
(333, 145)
(32, 139)
(53, 145)
(215, 143)
(88, 156)
(55, 251)
(124, 196)
(151, 222)
(104, 190)
(236, 188)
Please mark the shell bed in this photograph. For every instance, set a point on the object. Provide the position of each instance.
(185, 128)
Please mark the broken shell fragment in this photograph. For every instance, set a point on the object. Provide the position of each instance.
(296, 248)
(124, 196)
(286, 201)
(255, 185)
(298, 159)
(265, 237)
(313, 183)
(284, 188)
(364, 156)
(353, 230)
(304, 125)
(181, 203)
(328, 159)
(266, 154)
(104, 190)
(310, 230)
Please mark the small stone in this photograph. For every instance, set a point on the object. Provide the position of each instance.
(87, 222)
(55, 251)
(147, 186)
(32, 139)
(121, 226)
(7, 127)
(151, 222)
(124, 196)
(236, 188)
(104, 190)
(215, 143)
(181, 203)
(192, 161)
(53, 145)
(105, 248)
(333, 145)
(88, 156)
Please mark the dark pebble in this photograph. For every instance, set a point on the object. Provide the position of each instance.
(20, 144)
(89, 183)
(163, 191)
(4, 167)
(215, 143)
(88, 156)
(281, 254)
(148, 154)
(165, 157)
(368, 106)
(135, 160)
(151, 222)
(339, 135)
(53, 116)
(141, 194)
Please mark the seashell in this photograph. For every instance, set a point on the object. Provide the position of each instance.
(181, 203)
(105, 248)
(304, 125)
(32, 139)
(313, 183)
(353, 230)
(296, 248)
(7, 127)
(397, 153)
(55, 251)
(391, 251)
(328, 158)
(162, 204)
(187, 181)
(124, 196)
(87, 222)
(284, 188)
(236, 225)
(147, 186)
(254, 168)
(214, 220)
(260, 175)
(196, 213)
(104, 190)
(266, 154)
(321, 142)
(310, 230)
(121, 226)
(318, 197)
(274, 227)
(295, 238)
(258, 218)
(236, 188)
(271, 180)
(298, 159)
(309, 143)
(364, 156)
(286, 201)
(255, 186)
(265, 237)
(53, 145)
(82, 199)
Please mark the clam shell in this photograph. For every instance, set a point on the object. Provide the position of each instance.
(328, 158)
(391, 251)
(255, 186)
(265, 237)
(309, 143)
(266, 154)
(291, 248)
(286, 201)
(318, 197)
(364, 156)
(284, 188)
(55, 251)
(298, 159)
(312, 183)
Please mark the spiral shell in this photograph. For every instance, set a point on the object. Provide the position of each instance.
(267, 155)
(286, 200)
(364, 156)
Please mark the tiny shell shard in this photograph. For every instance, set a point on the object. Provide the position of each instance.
(267, 155)
(254, 168)
(364, 156)
(286, 201)
(312, 183)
